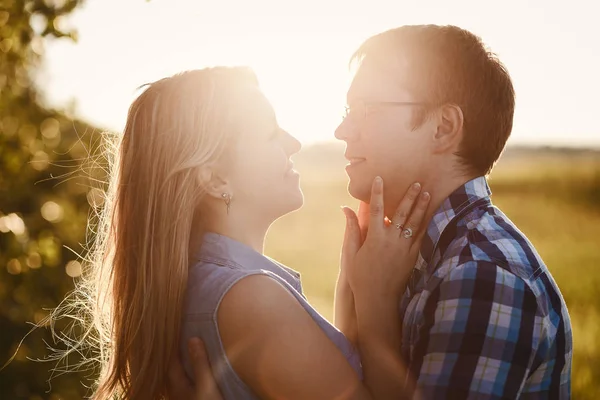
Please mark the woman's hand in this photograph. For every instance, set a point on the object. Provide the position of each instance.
(381, 265)
(344, 313)
(378, 270)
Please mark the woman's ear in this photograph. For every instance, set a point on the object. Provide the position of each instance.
(215, 183)
(450, 127)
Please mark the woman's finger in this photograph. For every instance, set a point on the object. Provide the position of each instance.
(415, 220)
(363, 219)
(406, 205)
(376, 224)
(352, 238)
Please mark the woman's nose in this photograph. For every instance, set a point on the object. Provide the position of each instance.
(293, 145)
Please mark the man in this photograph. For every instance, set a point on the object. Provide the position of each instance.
(482, 316)
(179, 386)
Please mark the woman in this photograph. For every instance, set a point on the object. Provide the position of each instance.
(203, 170)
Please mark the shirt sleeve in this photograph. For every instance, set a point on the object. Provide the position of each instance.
(478, 337)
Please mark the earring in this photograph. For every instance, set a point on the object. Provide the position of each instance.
(227, 198)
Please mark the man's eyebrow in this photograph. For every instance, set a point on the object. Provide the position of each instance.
(362, 99)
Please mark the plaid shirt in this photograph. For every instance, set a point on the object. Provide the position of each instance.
(482, 316)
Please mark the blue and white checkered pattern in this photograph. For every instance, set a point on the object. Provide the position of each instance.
(483, 317)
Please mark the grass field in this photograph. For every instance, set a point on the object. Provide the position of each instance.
(552, 196)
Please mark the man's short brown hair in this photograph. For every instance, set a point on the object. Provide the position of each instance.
(447, 64)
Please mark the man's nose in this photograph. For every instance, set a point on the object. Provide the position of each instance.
(345, 131)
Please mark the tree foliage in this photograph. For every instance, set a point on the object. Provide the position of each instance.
(45, 198)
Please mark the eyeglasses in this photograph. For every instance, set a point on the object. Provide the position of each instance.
(358, 112)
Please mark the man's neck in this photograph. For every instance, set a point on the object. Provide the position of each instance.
(440, 189)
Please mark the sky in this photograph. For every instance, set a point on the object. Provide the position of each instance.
(300, 52)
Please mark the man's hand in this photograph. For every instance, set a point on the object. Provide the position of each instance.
(179, 386)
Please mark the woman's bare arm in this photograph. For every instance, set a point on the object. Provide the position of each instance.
(278, 350)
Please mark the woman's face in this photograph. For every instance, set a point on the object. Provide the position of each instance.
(261, 176)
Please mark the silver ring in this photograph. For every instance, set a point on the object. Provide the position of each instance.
(407, 233)
(399, 227)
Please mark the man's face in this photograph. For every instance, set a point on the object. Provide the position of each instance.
(380, 139)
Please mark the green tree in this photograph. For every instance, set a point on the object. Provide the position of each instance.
(45, 199)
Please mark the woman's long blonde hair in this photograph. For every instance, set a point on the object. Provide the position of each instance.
(131, 296)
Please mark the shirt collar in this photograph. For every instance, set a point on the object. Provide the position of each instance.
(223, 250)
(461, 198)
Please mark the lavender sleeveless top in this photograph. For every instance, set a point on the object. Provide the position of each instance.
(216, 267)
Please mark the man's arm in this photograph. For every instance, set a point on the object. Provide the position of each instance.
(478, 335)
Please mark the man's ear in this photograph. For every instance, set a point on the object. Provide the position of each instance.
(450, 123)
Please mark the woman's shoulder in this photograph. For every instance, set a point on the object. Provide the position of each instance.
(209, 282)
(271, 303)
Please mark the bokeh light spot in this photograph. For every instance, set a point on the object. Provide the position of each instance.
(14, 267)
(73, 269)
(52, 212)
